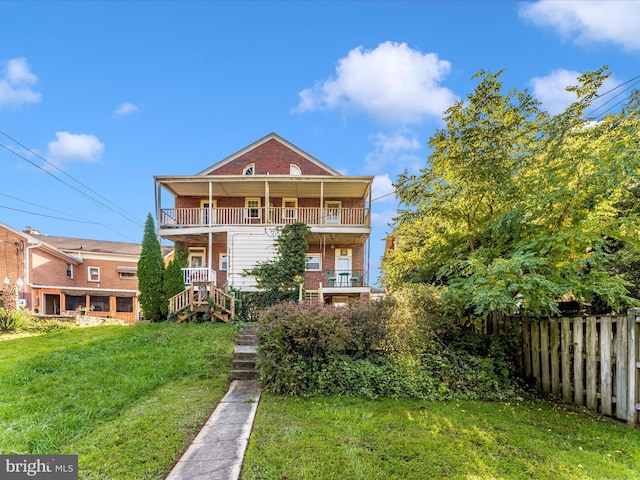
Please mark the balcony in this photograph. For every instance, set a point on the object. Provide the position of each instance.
(345, 279)
(204, 217)
(198, 275)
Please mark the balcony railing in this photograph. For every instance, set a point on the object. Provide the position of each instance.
(199, 274)
(344, 278)
(202, 217)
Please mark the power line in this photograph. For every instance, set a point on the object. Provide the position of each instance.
(79, 219)
(68, 220)
(383, 196)
(124, 214)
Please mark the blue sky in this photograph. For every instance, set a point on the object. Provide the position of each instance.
(113, 93)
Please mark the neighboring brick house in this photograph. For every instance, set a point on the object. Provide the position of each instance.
(226, 218)
(60, 275)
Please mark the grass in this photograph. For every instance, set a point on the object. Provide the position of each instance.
(128, 400)
(331, 438)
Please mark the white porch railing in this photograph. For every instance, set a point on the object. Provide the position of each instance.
(200, 217)
(200, 274)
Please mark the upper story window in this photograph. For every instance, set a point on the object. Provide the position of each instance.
(94, 274)
(294, 169)
(69, 270)
(252, 207)
(249, 169)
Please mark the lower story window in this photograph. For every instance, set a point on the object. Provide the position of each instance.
(73, 302)
(124, 304)
(99, 303)
(313, 262)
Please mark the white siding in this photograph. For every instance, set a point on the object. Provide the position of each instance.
(246, 248)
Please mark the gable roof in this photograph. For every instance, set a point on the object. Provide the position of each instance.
(68, 244)
(262, 141)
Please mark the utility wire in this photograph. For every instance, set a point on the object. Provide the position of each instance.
(383, 196)
(124, 214)
(78, 219)
(68, 220)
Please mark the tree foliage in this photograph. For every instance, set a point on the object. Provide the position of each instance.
(286, 271)
(173, 279)
(150, 274)
(518, 208)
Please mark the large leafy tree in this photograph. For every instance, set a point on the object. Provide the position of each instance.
(518, 208)
(150, 274)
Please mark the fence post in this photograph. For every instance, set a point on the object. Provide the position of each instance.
(632, 366)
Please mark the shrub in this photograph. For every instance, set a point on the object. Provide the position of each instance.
(49, 325)
(12, 320)
(294, 339)
(398, 348)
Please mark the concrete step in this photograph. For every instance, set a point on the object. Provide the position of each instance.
(243, 363)
(242, 339)
(244, 374)
(245, 352)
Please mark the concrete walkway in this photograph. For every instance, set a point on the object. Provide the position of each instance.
(218, 450)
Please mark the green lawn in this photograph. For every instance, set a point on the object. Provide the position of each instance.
(338, 438)
(128, 400)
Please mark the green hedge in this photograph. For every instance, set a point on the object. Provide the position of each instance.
(401, 347)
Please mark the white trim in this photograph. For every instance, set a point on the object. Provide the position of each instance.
(289, 212)
(295, 170)
(336, 212)
(89, 279)
(195, 252)
(207, 206)
(313, 254)
(249, 209)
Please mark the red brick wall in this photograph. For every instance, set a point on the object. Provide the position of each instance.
(312, 278)
(272, 158)
(228, 202)
(52, 271)
(12, 256)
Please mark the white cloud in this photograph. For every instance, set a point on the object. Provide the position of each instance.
(126, 108)
(384, 218)
(392, 82)
(382, 187)
(589, 21)
(16, 84)
(70, 146)
(551, 89)
(394, 150)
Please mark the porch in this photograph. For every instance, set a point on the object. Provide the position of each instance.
(271, 216)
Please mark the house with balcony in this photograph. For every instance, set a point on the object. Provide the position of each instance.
(226, 218)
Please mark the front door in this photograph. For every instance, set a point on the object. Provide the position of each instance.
(51, 304)
(208, 212)
(343, 271)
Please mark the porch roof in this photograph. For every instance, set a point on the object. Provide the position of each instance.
(284, 186)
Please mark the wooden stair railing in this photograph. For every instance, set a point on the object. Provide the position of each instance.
(196, 299)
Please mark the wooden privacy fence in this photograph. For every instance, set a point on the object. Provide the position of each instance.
(592, 361)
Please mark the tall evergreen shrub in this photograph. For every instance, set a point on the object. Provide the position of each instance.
(151, 275)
